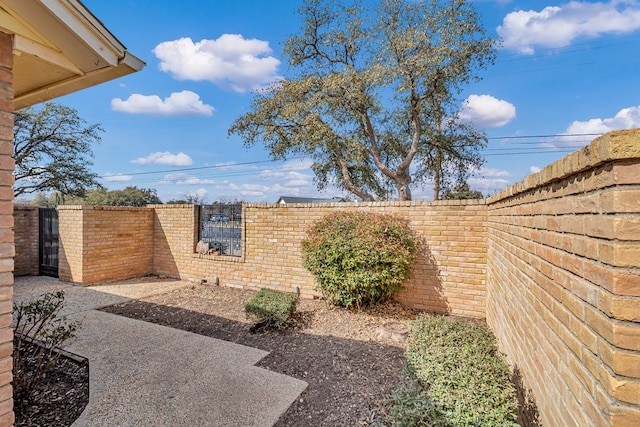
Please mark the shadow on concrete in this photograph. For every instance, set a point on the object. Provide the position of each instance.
(348, 379)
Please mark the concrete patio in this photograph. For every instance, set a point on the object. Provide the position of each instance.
(142, 374)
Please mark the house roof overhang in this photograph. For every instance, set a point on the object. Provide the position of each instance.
(60, 47)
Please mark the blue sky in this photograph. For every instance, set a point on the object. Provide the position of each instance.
(565, 67)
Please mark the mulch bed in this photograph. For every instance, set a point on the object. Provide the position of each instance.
(58, 399)
(350, 371)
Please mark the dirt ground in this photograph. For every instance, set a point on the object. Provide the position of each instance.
(351, 371)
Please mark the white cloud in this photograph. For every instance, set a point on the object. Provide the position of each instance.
(231, 61)
(249, 190)
(489, 180)
(627, 118)
(492, 172)
(200, 193)
(485, 111)
(116, 177)
(184, 179)
(165, 158)
(488, 185)
(558, 26)
(534, 169)
(177, 104)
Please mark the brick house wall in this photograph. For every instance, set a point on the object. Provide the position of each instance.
(7, 249)
(25, 229)
(563, 283)
(98, 244)
(449, 277)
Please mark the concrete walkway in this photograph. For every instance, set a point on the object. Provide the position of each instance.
(142, 374)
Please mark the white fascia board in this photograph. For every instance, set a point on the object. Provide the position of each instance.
(88, 28)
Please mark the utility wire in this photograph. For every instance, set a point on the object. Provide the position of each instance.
(556, 135)
(504, 151)
(198, 168)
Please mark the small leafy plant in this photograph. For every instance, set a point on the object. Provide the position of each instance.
(39, 331)
(359, 258)
(456, 377)
(272, 308)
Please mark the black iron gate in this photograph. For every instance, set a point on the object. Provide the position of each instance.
(49, 243)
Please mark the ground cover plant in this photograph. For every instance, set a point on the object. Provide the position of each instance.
(456, 377)
(272, 308)
(359, 258)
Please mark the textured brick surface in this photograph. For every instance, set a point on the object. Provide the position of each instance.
(449, 277)
(25, 230)
(99, 244)
(6, 225)
(563, 282)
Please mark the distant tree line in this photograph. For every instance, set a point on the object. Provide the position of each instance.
(130, 196)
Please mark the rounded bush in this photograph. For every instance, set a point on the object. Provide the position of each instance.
(359, 258)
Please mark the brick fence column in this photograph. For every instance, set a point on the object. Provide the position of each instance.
(6, 226)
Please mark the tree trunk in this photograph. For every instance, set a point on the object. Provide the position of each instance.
(402, 185)
(436, 185)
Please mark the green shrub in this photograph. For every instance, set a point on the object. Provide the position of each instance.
(359, 258)
(273, 308)
(38, 333)
(457, 377)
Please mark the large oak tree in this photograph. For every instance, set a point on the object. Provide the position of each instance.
(371, 95)
(52, 150)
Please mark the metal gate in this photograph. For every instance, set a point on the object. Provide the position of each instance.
(221, 227)
(49, 242)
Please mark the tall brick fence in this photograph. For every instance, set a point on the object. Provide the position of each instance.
(563, 282)
(552, 263)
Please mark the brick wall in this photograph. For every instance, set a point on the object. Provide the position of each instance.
(98, 244)
(563, 283)
(555, 259)
(449, 277)
(25, 229)
(6, 224)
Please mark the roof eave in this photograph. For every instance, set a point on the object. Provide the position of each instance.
(66, 35)
(127, 65)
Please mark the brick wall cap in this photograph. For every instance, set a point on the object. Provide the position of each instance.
(381, 204)
(102, 208)
(615, 145)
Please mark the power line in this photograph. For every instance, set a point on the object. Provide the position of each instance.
(540, 149)
(528, 152)
(556, 135)
(505, 151)
(196, 168)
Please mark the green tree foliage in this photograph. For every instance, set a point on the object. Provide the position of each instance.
(52, 150)
(130, 196)
(461, 192)
(359, 258)
(188, 199)
(42, 200)
(371, 95)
